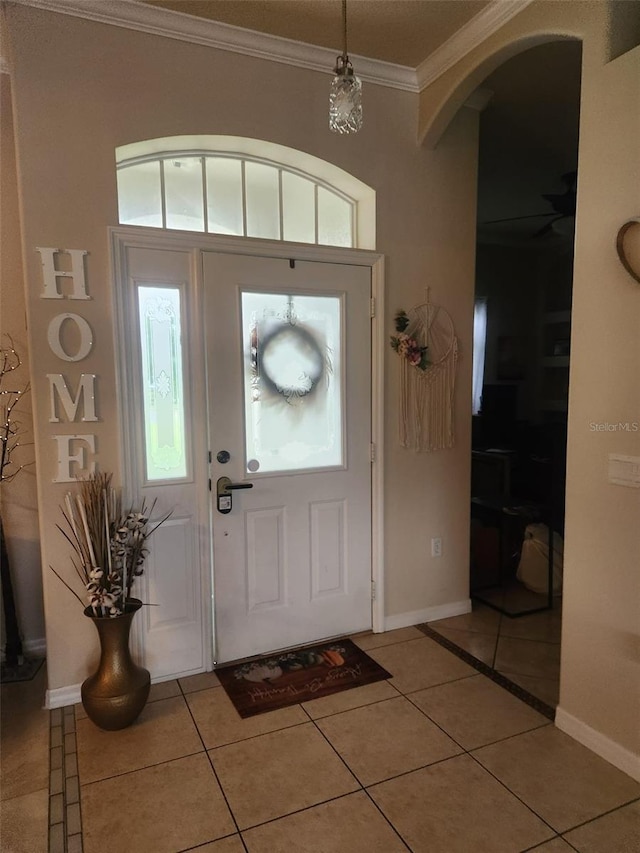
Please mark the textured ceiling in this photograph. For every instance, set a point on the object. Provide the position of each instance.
(401, 31)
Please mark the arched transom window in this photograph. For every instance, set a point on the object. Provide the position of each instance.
(243, 187)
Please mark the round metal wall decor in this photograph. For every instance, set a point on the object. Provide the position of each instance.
(622, 251)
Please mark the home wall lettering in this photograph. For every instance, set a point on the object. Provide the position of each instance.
(71, 398)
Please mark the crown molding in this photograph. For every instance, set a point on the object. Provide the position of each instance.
(177, 25)
(473, 33)
(133, 15)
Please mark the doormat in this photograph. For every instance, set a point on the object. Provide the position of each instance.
(288, 678)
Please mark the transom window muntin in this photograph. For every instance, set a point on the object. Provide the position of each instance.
(221, 192)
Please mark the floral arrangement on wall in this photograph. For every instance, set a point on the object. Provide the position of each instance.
(406, 346)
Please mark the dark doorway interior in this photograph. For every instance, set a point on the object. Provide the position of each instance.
(526, 213)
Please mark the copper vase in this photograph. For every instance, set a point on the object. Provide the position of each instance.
(116, 693)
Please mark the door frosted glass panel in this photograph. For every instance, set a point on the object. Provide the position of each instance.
(335, 219)
(162, 382)
(139, 196)
(263, 201)
(298, 209)
(183, 193)
(292, 381)
(224, 196)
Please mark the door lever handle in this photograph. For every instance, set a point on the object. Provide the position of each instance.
(224, 487)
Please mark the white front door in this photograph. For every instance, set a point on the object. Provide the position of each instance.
(289, 402)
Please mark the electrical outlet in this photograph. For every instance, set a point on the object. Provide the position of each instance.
(436, 547)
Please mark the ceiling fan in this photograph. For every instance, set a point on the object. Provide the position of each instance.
(563, 204)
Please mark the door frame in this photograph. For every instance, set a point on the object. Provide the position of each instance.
(124, 237)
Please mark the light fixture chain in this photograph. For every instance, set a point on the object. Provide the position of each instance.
(344, 27)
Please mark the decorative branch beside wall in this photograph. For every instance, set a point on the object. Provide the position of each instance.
(10, 434)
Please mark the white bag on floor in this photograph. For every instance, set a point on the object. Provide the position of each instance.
(533, 569)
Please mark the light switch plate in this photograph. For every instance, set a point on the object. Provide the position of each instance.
(624, 470)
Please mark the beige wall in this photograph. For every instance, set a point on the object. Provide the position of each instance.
(18, 499)
(600, 667)
(601, 633)
(81, 90)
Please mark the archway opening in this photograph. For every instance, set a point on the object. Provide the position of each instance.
(528, 156)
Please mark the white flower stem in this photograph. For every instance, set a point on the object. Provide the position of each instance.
(72, 518)
(106, 525)
(83, 516)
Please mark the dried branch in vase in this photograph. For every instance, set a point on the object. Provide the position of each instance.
(110, 543)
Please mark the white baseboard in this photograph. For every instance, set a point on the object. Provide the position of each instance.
(32, 648)
(70, 695)
(37, 647)
(430, 614)
(62, 696)
(619, 756)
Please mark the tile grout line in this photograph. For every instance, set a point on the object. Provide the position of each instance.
(213, 769)
(138, 769)
(598, 817)
(557, 837)
(363, 788)
(451, 737)
(314, 805)
(307, 809)
(332, 747)
(65, 818)
(514, 794)
(497, 642)
(322, 802)
(495, 676)
(528, 640)
(72, 783)
(208, 843)
(464, 751)
(56, 815)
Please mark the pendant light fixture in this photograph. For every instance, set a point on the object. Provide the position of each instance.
(345, 97)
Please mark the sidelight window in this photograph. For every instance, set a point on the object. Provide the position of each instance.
(162, 382)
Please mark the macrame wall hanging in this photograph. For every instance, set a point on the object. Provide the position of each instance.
(428, 347)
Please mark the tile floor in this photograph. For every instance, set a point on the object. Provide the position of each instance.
(24, 766)
(525, 649)
(438, 758)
